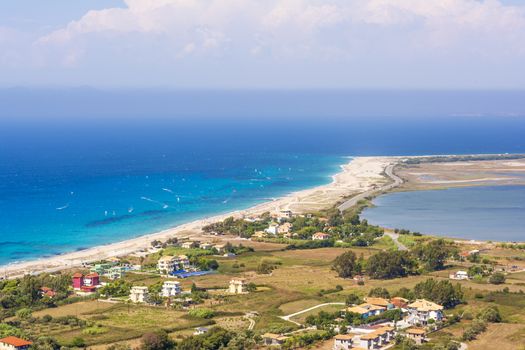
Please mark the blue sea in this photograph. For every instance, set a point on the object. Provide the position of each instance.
(480, 213)
(65, 210)
(80, 169)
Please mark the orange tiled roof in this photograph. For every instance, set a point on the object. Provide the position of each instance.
(377, 301)
(348, 336)
(425, 305)
(369, 336)
(417, 331)
(15, 341)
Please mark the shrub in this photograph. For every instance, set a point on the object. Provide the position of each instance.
(78, 342)
(201, 313)
(379, 292)
(353, 298)
(156, 341)
(490, 314)
(23, 314)
(497, 278)
(47, 318)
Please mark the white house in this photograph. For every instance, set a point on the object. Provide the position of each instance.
(343, 341)
(377, 338)
(188, 245)
(459, 275)
(369, 341)
(284, 228)
(273, 229)
(14, 343)
(182, 262)
(238, 286)
(220, 248)
(285, 214)
(166, 264)
(416, 334)
(205, 245)
(171, 289)
(139, 294)
(201, 330)
(421, 311)
(271, 339)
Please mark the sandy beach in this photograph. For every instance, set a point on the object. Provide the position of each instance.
(360, 174)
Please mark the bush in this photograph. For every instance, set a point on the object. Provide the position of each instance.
(353, 298)
(47, 318)
(94, 330)
(78, 342)
(379, 292)
(23, 314)
(201, 313)
(490, 314)
(266, 266)
(156, 341)
(497, 278)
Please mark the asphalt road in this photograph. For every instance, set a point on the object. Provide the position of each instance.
(389, 171)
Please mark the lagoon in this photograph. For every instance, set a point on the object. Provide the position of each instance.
(482, 213)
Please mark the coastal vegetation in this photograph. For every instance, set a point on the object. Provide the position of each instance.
(286, 275)
(462, 158)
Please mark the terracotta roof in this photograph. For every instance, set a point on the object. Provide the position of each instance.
(377, 301)
(321, 234)
(15, 341)
(387, 328)
(91, 275)
(425, 305)
(417, 331)
(357, 310)
(234, 280)
(78, 275)
(400, 299)
(348, 336)
(380, 331)
(166, 258)
(371, 307)
(369, 336)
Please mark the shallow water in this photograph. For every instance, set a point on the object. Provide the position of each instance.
(482, 213)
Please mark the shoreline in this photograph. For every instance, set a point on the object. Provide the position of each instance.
(358, 175)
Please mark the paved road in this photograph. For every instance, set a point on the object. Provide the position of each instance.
(252, 322)
(287, 317)
(389, 170)
(395, 236)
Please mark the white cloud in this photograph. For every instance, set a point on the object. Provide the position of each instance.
(177, 19)
(358, 34)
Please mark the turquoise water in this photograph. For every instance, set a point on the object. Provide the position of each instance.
(483, 213)
(74, 182)
(52, 213)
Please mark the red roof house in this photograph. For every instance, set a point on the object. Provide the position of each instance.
(47, 292)
(87, 283)
(14, 343)
(320, 236)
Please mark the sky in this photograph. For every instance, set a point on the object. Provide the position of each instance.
(270, 44)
